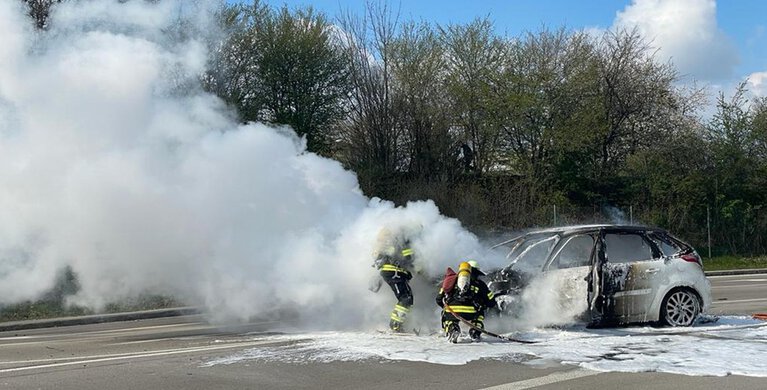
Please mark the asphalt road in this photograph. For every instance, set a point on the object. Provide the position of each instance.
(739, 294)
(170, 353)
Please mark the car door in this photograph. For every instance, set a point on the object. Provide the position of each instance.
(568, 269)
(629, 267)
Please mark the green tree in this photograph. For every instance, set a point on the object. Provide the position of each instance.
(283, 67)
(542, 99)
(735, 135)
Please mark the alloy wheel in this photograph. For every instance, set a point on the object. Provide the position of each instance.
(681, 308)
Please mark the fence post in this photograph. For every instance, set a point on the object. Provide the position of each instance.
(555, 215)
(708, 229)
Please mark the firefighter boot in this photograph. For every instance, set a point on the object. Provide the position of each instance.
(476, 332)
(398, 317)
(395, 326)
(452, 332)
(475, 335)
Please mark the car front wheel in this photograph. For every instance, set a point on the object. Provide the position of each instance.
(680, 308)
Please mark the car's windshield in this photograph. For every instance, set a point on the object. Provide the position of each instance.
(529, 253)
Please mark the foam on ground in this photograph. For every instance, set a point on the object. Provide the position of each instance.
(730, 346)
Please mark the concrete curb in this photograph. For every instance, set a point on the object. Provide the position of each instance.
(97, 319)
(737, 272)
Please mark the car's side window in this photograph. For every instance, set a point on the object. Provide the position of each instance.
(575, 252)
(625, 248)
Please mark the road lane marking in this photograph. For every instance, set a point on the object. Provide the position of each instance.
(70, 358)
(143, 341)
(741, 285)
(119, 330)
(138, 355)
(95, 335)
(731, 281)
(744, 277)
(148, 327)
(544, 380)
(741, 300)
(82, 357)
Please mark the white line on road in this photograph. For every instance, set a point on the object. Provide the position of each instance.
(139, 355)
(16, 338)
(544, 380)
(144, 341)
(742, 300)
(97, 334)
(139, 328)
(741, 285)
(744, 277)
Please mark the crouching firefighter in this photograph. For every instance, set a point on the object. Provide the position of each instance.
(394, 261)
(466, 296)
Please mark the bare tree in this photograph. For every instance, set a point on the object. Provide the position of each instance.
(634, 89)
(371, 136)
(40, 11)
(474, 60)
(419, 69)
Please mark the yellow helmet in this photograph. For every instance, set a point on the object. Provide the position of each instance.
(465, 266)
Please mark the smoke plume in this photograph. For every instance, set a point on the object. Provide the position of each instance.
(114, 163)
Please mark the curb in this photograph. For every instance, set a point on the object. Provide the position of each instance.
(736, 272)
(97, 319)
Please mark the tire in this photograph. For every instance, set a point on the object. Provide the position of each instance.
(680, 308)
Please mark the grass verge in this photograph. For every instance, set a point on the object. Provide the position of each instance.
(722, 263)
(42, 309)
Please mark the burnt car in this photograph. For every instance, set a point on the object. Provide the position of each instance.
(610, 274)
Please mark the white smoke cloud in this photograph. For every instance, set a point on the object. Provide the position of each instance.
(107, 168)
(757, 83)
(686, 32)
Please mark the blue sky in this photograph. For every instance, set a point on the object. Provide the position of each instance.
(716, 43)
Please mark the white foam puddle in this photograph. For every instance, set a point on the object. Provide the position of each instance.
(732, 345)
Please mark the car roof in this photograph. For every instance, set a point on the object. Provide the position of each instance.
(573, 229)
(581, 228)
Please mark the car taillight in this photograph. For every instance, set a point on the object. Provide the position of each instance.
(692, 258)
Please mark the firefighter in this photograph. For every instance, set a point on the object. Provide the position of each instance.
(483, 291)
(394, 261)
(468, 297)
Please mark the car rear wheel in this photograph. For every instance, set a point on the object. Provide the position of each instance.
(680, 308)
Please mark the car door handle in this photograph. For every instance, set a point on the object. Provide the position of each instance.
(652, 271)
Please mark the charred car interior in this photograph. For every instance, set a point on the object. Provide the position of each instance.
(612, 274)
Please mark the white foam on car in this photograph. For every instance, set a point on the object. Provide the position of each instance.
(730, 346)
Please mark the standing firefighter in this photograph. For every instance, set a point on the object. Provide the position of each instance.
(464, 295)
(394, 261)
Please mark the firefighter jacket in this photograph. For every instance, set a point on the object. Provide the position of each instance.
(395, 262)
(475, 299)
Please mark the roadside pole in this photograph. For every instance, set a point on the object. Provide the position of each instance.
(708, 229)
(555, 215)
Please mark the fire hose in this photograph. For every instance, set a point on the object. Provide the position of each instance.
(505, 338)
